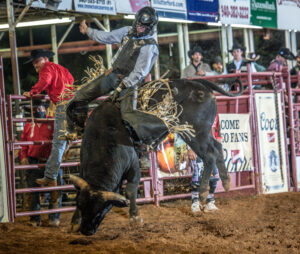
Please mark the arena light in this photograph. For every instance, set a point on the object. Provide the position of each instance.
(234, 25)
(39, 23)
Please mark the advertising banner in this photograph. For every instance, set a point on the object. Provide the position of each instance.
(63, 5)
(264, 13)
(3, 187)
(288, 13)
(96, 6)
(175, 9)
(274, 171)
(130, 6)
(236, 141)
(203, 10)
(235, 11)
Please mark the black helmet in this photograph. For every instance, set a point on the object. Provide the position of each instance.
(147, 16)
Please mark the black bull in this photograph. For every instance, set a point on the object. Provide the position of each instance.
(108, 156)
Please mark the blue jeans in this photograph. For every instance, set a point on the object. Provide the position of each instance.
(31, 176)
(197, 167)
(58, 146)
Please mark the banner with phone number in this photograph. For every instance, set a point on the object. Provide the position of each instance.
(234, 12)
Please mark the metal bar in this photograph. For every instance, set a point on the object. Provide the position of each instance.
(153, 171)
(224, 45)
(66, 34)
(54, 43)
(108, 46)
(186, 43)
(11, 159)
(180, 47)
(23, 13)
(99, 24)
(58, 210)
(291, 130)
(45, 189)
(38, 166)
(251, 41)
(6, 145)
(13, 47)
(229, 40)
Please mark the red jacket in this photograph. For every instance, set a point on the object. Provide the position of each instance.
(53, 79)
(42, 133)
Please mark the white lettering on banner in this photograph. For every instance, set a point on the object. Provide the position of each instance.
(230, 11)
(266, 6)
(169, 3)
(236, 141)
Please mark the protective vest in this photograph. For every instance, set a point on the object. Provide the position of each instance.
(130, 50)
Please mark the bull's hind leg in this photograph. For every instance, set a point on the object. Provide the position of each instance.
(225, 177)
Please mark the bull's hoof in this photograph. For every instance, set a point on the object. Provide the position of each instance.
(74, 228)
(136, 220)
(226, 184)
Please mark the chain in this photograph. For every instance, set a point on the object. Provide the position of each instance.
(278, 124)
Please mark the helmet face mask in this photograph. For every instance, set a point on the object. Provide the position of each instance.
(146, 18)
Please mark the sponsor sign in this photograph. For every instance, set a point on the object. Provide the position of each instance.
(3, 187)
(130, 6)
(96, 6)
(274, 173)
(288, 13)
(170, 8)
(235, 11)
(264, 13)
(236, 141)
(63, 5)
(203, 10)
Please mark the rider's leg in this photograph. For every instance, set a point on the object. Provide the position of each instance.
(78, 107)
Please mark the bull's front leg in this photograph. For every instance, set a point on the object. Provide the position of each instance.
(76, 221)
(131, 194)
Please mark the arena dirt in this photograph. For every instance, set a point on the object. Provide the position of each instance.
(264, 224)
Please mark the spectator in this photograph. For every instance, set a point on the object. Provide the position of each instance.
(296, 69)
(197, 166)
(239, 64)
(217, 69)
(283, 55)
(53, 78)
(197, 67)
(35, 154)
(217, 66)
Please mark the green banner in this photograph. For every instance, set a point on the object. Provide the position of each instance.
(264, 13)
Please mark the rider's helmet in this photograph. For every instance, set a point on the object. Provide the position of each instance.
(148, 17)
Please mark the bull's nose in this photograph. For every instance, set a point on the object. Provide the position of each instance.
(87, 231)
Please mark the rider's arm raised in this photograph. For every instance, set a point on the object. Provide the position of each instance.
(112, 37)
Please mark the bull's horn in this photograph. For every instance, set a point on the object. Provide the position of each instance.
(78, 181)
(108, 195)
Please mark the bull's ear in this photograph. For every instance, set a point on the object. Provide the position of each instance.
(78, 181)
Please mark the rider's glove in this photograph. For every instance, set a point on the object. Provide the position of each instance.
(117, 91)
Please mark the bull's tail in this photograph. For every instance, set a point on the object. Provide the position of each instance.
(217, 88)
